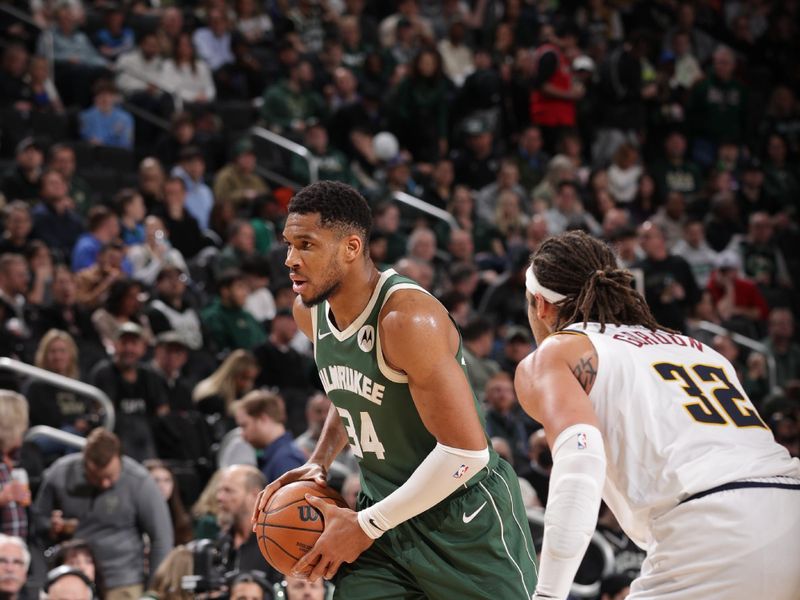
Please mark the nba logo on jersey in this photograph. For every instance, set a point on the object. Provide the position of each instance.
(460, 472)
(582, 441)
(366, 338)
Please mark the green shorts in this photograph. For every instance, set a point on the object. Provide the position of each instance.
(475, 545)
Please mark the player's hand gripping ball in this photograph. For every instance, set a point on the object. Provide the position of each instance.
(289, 526)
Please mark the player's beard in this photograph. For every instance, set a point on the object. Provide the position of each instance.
(329, 286)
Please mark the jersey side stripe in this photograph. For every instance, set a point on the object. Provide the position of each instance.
(503, 539)
(513, 514)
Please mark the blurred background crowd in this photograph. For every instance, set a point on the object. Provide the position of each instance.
(148, 150)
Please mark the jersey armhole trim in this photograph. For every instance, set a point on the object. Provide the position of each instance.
(314, 310)
(392, 374)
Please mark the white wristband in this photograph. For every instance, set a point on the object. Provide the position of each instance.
(442, 472)
(576, 485)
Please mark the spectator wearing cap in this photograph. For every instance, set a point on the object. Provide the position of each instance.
(238, 182)
(739, 303)
(103, 229)
(477, 164)
(105, 124)
(169, 358)
(14, 562)
(228, 325)
(169, 309)
(149, 258)
(137, 392)
(22, 181)
(115, 503)
(191, 169)
(331, 163)
(291, 102)
(675, 172)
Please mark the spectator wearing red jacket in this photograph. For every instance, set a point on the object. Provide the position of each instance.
(737, 299)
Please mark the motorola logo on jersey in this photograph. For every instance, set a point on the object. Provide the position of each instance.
(366, 338)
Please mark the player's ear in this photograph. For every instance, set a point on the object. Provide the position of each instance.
(542, 307)
(354, 246)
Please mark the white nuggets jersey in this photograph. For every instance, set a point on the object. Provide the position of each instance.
(675, 422)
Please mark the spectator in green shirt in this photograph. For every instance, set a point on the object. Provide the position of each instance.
(332, 164)
(290, 103)
(227, 324)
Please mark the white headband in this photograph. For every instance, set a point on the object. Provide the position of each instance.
(534, 287)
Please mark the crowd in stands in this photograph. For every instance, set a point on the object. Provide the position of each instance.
(141, 242)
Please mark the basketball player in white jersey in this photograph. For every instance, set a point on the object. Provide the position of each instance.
(656, 424)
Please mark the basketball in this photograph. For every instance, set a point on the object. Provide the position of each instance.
(290, 526)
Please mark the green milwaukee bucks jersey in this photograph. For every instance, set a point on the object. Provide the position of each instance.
(384, 428)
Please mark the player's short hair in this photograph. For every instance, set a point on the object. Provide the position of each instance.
(585, 270)
(101, 447)
(262, 402)
(338, 205)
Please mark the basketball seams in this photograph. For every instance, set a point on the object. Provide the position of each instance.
(265, 525)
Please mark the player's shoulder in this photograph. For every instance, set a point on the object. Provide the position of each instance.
(559, 347)
(412, 307)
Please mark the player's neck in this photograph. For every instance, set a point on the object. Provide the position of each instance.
(353, 295)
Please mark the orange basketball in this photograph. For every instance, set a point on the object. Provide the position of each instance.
(290, 526)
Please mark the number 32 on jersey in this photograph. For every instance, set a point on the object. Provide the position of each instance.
(368, 440)
(734, 404)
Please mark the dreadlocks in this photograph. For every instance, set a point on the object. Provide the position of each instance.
(585, 271)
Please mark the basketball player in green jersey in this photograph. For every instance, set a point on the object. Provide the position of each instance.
(440, 515)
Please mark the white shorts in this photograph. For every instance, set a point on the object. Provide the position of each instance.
(740, 544)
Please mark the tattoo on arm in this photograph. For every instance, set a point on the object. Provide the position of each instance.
(585, 371)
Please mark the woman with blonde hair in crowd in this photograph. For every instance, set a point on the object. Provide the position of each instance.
(204, 511)
(165, 480)
(15, 495)
(53, 405)
(215, 394)
(166, 583)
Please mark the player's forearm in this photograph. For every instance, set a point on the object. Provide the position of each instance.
(442, 472)
(331, 442)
